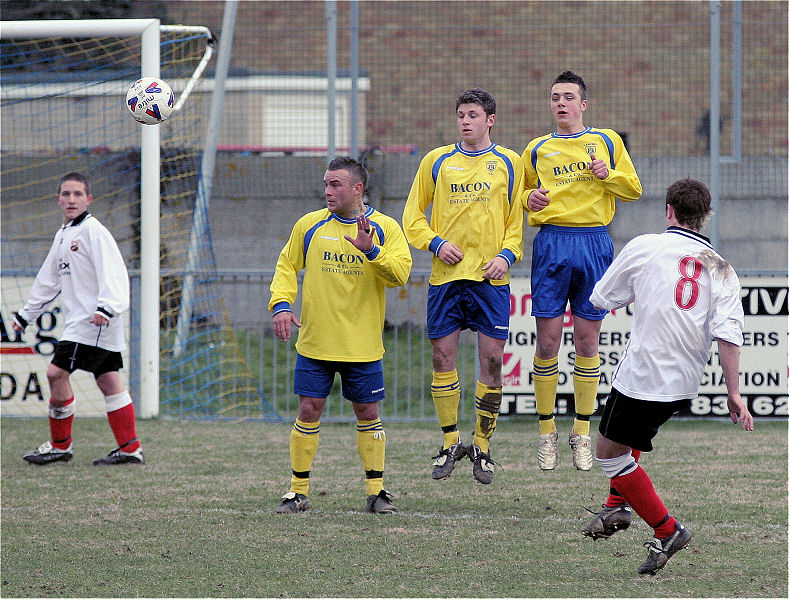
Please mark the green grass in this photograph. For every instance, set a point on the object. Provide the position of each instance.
(197, 520)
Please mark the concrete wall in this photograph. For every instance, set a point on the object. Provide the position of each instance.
(256, 200)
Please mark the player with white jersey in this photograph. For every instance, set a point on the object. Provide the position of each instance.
(350, 254)
(685, 296)
(86, 272)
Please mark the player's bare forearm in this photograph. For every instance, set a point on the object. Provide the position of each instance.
(729, 357)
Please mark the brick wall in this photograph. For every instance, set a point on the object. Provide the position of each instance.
(646, 65)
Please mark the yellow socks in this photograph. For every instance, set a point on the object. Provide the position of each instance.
(487, 403)
(303, 445)
(545, 377)
(446, 392)
(371, 442)
(586, 375)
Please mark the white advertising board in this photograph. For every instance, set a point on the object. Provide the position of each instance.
(763, 364)
(24, 358)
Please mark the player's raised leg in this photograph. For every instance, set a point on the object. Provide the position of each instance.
(586, 375)
(615, 514)
(545, 375)
(488, 400)
(630, 480)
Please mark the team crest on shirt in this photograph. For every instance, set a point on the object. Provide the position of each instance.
(74, 246)
(491, 165)
(589, 148)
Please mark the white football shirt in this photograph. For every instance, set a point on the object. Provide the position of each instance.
(85, 269)
(685, 296)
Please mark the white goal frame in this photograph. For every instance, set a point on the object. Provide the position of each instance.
(149, 32)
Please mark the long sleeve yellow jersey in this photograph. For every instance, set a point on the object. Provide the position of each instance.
(476, 204)
(561, 164)
(343, 289)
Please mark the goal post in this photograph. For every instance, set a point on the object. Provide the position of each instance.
(62, 109)
(148, 31)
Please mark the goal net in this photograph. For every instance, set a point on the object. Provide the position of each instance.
(62, 109)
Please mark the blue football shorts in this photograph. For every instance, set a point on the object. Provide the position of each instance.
(361, 381)
(634, 423)
(567, 262)
(465, 304)
(71, 356)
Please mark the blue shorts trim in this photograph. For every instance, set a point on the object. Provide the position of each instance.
(567, 262)
(361, 382)
(465, 304)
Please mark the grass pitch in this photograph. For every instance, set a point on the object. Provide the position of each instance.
(197, 520)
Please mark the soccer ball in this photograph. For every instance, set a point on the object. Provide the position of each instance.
(150, 100)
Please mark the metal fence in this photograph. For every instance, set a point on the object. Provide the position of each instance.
(407, 361)
(647, 66)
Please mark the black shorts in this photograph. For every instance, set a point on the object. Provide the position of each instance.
(634, 423)
(71, 356)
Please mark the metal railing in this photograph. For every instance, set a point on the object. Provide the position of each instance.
(407, 361)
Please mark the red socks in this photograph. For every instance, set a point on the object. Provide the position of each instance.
(123, 428)
(615, 499)
(59, 425)
(638, 491)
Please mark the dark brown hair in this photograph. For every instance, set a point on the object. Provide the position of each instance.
(691, 201)
(74, 176)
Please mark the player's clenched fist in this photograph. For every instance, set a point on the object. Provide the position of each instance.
(598, 167)
(538, 199)
(450, 254)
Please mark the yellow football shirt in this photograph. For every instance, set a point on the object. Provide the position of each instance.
(561, 164)
(343, 289)
(475, 200)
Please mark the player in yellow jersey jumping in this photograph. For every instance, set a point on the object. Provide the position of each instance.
(476, 234)
(574, 176)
